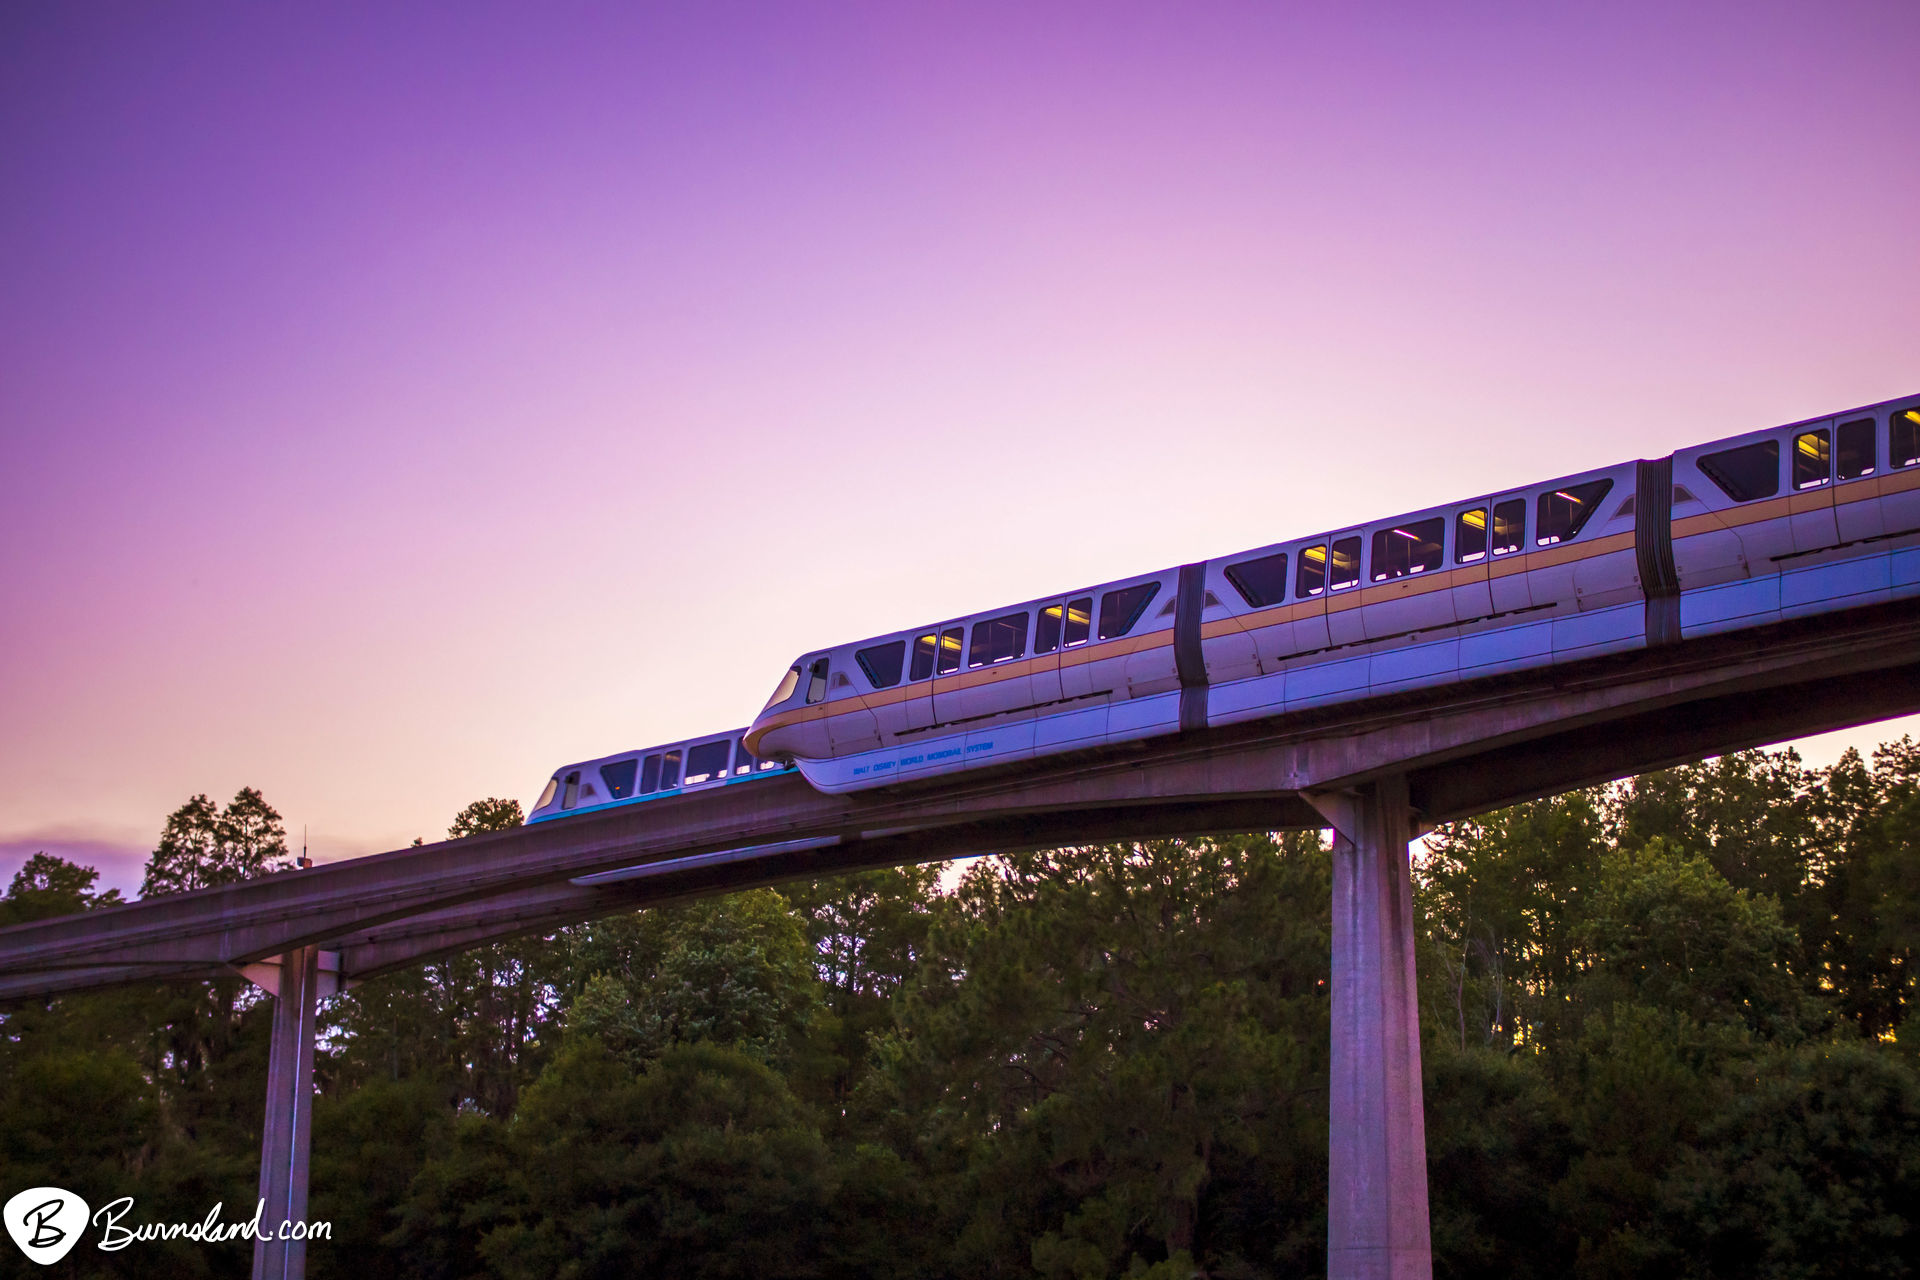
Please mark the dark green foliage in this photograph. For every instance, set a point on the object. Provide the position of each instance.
(369, 1144)
(1496, 1146)
(1811, 1167)
(465, 1189)
(1116, 1057)
(1664, 929)
(868, 935)
(1861, 933)
(1679, 1009)
(701, 1164)
(1502, 895)
(735, 971)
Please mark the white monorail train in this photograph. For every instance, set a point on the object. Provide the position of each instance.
(1815, 516)
(631, 777)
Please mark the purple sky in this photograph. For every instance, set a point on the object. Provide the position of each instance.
(399, 401)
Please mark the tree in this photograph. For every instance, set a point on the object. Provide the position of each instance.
(1114, 1058)
(1752, 814)
(1664, 929)
(868, 931)
(202, 846)
(735, 971)
(491, 814)
(205, 1034)
(49, 886)
(1806, 1168)
(473, 1022)
(868, 934)
(369, 1144)
(1499, 896)
(1861, 940)
(703, 1164)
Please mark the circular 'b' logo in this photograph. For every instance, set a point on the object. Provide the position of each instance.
(45, 1222)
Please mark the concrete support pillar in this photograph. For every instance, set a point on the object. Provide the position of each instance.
(286, 1142)
(1377, 1143)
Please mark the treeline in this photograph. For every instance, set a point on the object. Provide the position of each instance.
(1664, 1036)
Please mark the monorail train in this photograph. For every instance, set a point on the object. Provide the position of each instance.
(652, 773)
(1815, 516)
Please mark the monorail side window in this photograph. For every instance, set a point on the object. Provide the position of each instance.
(1563, 513)
(817, 681)
(882, 663)
(708, 760)
(999, 640)
(1311, 580)
(1903, 437)
(650, 775)
(923, 651)
(1260, 582)
(742, 758)
(570, 791)
(950, 649)
(1344, 564)
(670, 771)
(1509, 526)
(1748, 472)
(1812, 459)
(1854, 453)
(1470, 535)
(1120, 609)
(619, 778)
(1079, 621)
(1046, 632)
(1414, 547)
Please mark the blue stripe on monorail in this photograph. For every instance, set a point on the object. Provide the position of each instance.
(755, 776)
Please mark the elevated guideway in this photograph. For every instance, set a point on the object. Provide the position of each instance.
(1462, 749)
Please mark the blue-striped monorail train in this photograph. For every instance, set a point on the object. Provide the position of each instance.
(1815, 516)
(716, 760)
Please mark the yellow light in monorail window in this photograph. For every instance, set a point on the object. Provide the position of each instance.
(1474, 519)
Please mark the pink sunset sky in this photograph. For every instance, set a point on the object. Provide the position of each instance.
(399, 401)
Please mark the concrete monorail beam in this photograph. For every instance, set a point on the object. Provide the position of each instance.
(1463, 748)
